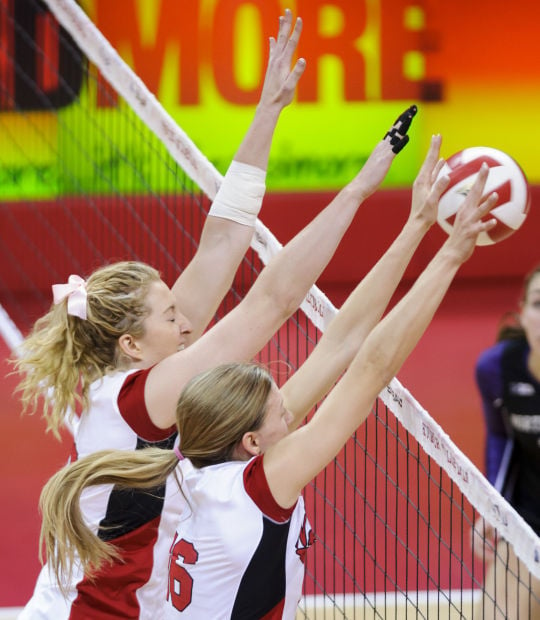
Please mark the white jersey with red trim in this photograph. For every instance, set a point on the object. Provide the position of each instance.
(235, 554)
(116, 419)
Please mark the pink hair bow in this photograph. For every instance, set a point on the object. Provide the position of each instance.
(75, 291)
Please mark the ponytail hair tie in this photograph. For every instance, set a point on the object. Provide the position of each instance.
(75, 291)
(179, 455)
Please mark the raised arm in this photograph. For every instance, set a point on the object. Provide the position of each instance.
(228, 229)
(367, 302)
(279, 289)
(295, 460)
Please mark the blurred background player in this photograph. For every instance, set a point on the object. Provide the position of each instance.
(508, 378)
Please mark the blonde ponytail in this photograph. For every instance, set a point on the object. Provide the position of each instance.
(64, 536)
(64, 354)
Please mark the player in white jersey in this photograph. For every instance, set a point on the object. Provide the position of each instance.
(115, 299)
(124, 318)
(234, 485)
(117, 420)
(261, 547)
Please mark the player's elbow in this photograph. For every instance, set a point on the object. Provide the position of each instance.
(276, 305)
(375, 367)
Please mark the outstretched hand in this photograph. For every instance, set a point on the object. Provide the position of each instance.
(428, 186)
(280, 80)
(378, 163)
(469, 222)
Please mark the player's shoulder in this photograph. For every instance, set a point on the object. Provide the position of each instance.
(110, 383)
(491, 359)
(492, 355)
(489, 364)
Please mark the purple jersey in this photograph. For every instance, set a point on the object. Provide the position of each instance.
(511, 405)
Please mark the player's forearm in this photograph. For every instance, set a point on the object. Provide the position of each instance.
(299, 264)
(225, 237)
(395, 336)
(255, 147)
(349, 328)
(366, 304)
(202, 285)
(377, 362)
(312, 249)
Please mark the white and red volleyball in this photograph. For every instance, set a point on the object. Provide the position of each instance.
(505, 177)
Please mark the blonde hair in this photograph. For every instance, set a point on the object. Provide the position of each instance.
(217, 407)
(214, 411)
(64, 354)
(64, 534)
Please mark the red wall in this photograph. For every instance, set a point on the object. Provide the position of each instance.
(379, 221)
(38, 240)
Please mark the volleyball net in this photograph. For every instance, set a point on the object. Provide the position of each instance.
(406, 525)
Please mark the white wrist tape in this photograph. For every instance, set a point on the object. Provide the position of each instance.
(241, 193)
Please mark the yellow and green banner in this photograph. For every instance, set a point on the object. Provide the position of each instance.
(367, 60)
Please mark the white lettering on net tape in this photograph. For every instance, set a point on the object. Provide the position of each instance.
(472, 483)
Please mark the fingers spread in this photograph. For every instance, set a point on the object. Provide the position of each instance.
(487, 205)
(286, 42)
(432, 165)
(440, 185)
(299, 68)
(475, 194)
(295, 36)
(284, 27)
(286, 39)
(437, 169)
(432, 156)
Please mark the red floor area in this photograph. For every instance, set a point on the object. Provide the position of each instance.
(439, 374)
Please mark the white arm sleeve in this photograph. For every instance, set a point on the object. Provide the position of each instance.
(240, 195)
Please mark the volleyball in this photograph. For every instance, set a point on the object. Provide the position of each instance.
(505, 177)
